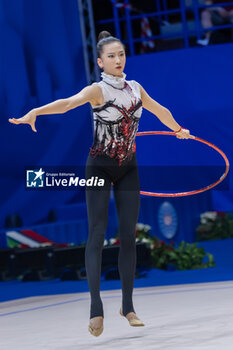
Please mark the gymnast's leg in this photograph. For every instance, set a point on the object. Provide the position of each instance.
(127, 203)
(97, 211)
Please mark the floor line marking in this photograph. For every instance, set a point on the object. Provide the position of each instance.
(116, 296)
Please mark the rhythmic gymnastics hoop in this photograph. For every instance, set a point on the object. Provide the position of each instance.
(189, 193)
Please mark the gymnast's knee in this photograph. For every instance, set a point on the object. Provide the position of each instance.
(128, 242)
(96, 238)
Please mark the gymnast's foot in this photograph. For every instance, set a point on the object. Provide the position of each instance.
(133, 319)
(95, 326)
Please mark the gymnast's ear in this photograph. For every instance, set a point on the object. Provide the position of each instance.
(100, 62)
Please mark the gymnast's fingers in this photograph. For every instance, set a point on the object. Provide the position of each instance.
(184, 134)
(188, 136)
(22, 120)
(14, 121)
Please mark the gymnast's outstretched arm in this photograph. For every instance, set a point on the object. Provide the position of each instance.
(163, 114)
(91, 94)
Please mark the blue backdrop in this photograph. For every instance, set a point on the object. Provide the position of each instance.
(42, 61)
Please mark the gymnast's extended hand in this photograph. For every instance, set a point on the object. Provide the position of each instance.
(29, 118)
(184, 134)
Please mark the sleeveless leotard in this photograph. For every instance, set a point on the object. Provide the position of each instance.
(116, 120)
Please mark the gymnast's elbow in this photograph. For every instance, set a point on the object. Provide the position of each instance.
(163, 114)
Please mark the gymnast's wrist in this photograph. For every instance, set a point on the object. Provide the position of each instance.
(178, 130)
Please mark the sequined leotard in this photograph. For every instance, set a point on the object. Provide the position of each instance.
(116, 121)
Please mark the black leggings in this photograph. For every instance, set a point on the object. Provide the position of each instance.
(127, 198)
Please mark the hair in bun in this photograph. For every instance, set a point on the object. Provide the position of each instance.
(103, 34)
(105, 38)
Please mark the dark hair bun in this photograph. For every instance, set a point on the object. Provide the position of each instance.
(103, 34)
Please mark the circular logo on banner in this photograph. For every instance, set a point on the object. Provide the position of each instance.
(167, 220)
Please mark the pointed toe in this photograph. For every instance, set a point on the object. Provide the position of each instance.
(95, 331)
(96, 321)
(134, 321)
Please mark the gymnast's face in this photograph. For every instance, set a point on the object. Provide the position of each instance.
(112, 59)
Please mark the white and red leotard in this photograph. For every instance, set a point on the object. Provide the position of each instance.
(116, 120)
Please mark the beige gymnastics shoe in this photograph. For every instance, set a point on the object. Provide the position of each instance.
(133, 319)
(95, 326)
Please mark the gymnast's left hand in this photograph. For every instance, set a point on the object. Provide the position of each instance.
(184, 134)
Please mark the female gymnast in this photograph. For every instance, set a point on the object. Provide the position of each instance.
(117, 107)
